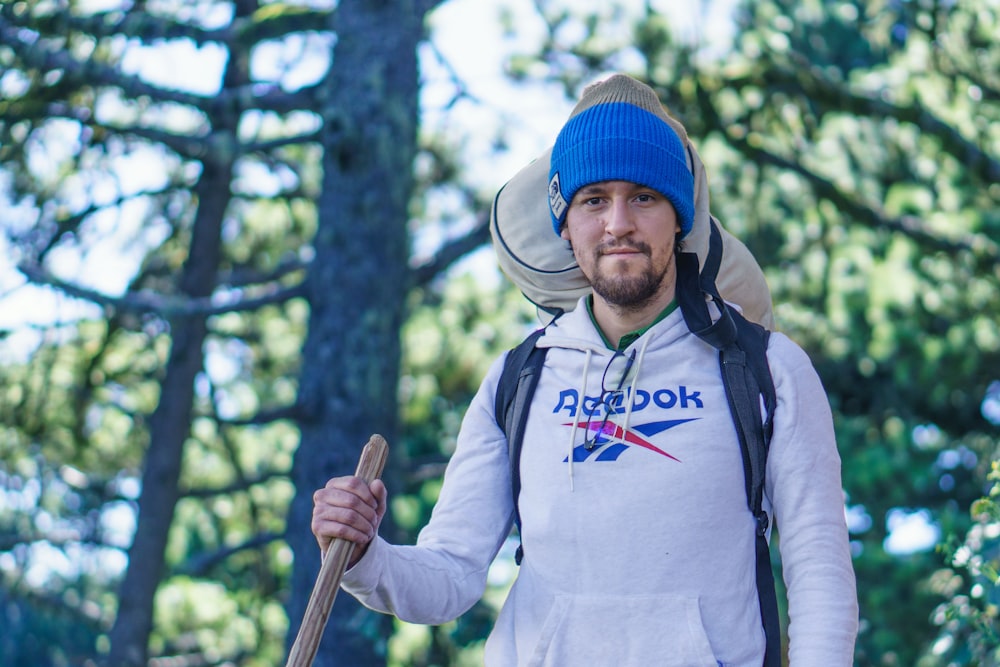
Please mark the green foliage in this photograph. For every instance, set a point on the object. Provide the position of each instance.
(852, 145)
(449, 341)
(970, 585)
(46, 629)
(192, 613)
(454, 332)
(101, 170)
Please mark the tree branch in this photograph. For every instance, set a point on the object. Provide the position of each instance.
(263, 416)
(200, 564)
(867, 213)
(270, 22)
(451, 252)
(244, 277)
(158, 304)
(57, 539)
(814, 85)
(271, 145)
(235, 487)
(70, 223)
(40, 54)
(46, 56)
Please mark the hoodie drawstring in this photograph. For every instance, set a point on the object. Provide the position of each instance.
(576, 418)
(630, 402)
(632, 387)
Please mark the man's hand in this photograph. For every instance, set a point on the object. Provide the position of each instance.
(350, 509)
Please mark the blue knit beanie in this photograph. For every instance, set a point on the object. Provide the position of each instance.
(622, 134)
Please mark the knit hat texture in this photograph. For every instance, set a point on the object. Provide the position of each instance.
(620, 131)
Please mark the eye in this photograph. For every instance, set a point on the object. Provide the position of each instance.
(587, 200)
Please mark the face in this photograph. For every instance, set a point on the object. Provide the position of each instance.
(623, 237)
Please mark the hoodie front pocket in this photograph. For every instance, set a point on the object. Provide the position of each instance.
(623, 631)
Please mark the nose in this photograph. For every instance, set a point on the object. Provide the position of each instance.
(618, 220)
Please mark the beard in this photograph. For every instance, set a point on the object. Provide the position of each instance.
(628, 292)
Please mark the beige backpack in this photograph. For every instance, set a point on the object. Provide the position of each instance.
(542, 266)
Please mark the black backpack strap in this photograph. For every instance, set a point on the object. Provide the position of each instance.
(695, 285)
(747, 379)
(518, 380)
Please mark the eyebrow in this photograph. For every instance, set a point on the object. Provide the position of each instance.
(593, 188)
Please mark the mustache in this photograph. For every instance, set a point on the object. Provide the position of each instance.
(637, 246)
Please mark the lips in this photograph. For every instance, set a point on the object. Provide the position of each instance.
(619, 251)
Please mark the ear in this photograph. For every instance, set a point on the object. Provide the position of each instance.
(564, 232)
(676, 220)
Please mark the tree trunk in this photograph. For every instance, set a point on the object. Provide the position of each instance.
(169, 427)
(356, 289)
(170, 423)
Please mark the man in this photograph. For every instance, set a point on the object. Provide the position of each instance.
(638, 545)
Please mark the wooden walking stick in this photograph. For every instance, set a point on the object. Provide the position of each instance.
(304, 649)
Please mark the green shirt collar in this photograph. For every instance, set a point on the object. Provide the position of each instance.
(630, 337)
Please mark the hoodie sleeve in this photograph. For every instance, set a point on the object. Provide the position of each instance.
(804, 485)
(444, 574)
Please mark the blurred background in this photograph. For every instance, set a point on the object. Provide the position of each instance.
(237, 238)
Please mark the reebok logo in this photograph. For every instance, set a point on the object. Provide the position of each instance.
(682, 397)
(613, 440)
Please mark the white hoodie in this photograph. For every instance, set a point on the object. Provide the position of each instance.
(641, 551)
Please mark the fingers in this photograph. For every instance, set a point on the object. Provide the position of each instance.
(348, 508)
(381, 495)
